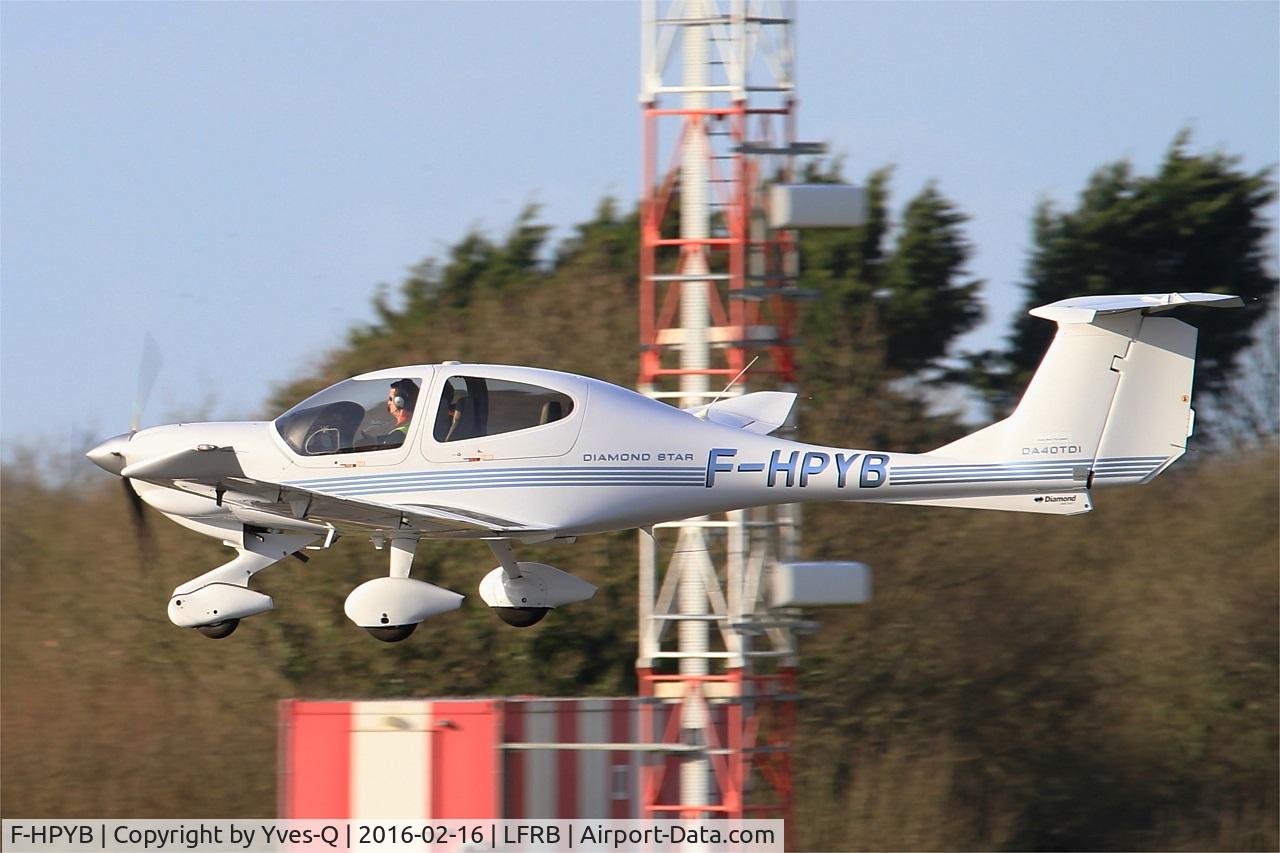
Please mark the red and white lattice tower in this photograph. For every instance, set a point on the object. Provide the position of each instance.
(717, 288)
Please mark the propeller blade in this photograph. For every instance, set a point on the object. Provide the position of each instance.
(136, 510)
(148, 370)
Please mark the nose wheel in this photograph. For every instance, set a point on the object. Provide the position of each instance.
(218, 630)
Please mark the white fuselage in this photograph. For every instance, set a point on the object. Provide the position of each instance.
(619, 460)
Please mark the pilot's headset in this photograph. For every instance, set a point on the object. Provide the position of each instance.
(406, 394)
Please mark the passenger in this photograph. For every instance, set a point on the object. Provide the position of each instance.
(447, 416)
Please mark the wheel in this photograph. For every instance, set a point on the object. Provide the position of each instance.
(218, 630)
(521, 617)
(392, 633)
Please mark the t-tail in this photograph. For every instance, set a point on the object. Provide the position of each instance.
(1109, 405)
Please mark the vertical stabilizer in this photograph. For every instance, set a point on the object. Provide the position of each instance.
(1064, 410)
(1113, 391)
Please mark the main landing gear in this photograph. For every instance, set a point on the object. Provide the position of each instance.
(522, 593)
(390, 608)
(521, 617)
(219, 630)
(392, 633)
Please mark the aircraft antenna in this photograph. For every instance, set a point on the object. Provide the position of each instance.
(734, 381)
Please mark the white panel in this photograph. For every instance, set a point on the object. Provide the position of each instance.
(816, 206)
(819, 583)
(389, 759)
(540, 764)
(594, 780)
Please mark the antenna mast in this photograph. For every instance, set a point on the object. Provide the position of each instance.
(717, 288)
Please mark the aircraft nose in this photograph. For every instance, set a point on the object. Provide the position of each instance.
(109, 456)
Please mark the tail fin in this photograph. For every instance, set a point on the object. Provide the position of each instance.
(1114, 390)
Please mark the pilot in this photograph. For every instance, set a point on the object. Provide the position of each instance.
(401, 398)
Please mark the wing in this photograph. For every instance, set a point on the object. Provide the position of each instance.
(425, 519)
(216, 473)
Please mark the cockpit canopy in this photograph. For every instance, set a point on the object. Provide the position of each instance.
(363, 415)
(353, 416)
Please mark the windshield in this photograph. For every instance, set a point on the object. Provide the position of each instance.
(357, 415)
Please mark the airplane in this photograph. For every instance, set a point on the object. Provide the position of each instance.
(519, 455)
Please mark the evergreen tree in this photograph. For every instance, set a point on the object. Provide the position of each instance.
(909, 299)
(926, 306)
(883, 313)
(1199, 224)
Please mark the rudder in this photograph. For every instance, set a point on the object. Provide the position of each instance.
(1150, 416)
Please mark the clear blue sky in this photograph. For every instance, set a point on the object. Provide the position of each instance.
(238, 178)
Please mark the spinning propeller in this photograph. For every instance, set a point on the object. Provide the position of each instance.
(148, 371)
(110, 454)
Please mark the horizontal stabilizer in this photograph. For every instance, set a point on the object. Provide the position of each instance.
(1062, 503)
(1085, 309)
(760, 412)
